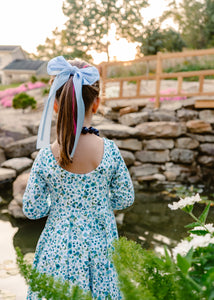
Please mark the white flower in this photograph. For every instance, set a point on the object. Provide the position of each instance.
(197, 241)
(182, 248)
(184, 202)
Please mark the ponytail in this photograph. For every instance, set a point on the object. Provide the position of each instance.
(67, 113)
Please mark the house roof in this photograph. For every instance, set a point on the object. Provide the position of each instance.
(24, 64)
(8, 48)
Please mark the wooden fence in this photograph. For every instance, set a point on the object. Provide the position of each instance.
(158, 76)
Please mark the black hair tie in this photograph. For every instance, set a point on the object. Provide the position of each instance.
(91, 130)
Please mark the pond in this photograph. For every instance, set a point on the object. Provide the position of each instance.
(149, 222)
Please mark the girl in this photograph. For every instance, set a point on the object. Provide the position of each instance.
(77, 182)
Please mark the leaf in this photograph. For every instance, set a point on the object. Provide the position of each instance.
(204, 214)
(188, 209)
(199, 232)
(183, 264)
(192, 225)
(189, 256)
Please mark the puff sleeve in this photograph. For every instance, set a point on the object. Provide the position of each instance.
(36, 199)
(121, 187)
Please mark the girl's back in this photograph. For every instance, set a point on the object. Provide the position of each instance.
(88, 154)
(77, 182)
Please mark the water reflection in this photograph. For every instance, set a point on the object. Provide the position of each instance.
(149, 222)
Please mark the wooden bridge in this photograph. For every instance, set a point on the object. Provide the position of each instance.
(204, 102)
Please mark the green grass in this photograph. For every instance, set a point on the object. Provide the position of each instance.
(8, 86)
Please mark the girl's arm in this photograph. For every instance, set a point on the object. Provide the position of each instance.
(36, 199)
(121, 187)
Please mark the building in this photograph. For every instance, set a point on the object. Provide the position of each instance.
(16, 67)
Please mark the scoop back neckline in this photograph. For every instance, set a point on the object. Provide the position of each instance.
(80, 174)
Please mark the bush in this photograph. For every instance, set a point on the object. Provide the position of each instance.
(33, 79)
(23, 101)
(45, 91)
(45, 80)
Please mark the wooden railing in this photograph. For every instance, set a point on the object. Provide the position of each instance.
(158, 76)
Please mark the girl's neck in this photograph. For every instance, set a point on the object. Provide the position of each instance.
(87, 120)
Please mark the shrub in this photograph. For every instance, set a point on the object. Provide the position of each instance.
(33, 79)
(45, 91)
(45, 80)
(23, 101)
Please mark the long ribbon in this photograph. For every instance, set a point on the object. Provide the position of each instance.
(60, 68)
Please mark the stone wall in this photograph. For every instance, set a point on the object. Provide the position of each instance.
(169, 146)
(165, 146)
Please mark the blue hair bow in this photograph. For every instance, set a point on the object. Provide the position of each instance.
(59, 67)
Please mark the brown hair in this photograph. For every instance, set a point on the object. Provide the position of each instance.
(67, 112)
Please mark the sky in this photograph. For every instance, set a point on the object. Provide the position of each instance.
(29, 22)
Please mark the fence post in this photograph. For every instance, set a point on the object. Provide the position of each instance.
(158, 79)
(103, 76)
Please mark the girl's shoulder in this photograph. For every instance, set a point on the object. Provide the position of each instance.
(111, 148)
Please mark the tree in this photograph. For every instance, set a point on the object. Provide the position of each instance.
(195, 19)
(58, 45)
(155, 39)
(89, 22)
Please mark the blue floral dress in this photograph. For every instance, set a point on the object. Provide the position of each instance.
(80, 228)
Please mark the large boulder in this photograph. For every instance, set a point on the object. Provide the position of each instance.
(117, 131)
(18, 164)
(7, 174)
(153, 156)
(207, 115)
(158, 144)
(21, 148)
(15, 131)
(206, 160)
(198, 126)
(203, 138)
(5, 141)
(133, 118)
(174, 172)
(161, 129)
(129, 144)
(207, 148)
(160, 116)
(19, 186)
(186, 143)
(2, 156)
(128, 157)
(144, 170)
(187, 114)
(182, 156)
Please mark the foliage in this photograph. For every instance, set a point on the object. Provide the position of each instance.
(47, 286)
(195, 19)
(33, 79)
(45, 91)
(45, 80)
(89, 22)
(155, 39)
(59, 45)
(23, 101)
(145, 275)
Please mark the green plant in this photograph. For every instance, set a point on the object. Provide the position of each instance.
(47, 286)
(45, 80)
(33, 79)
(45, 91)
(23, 101)
(187, 274)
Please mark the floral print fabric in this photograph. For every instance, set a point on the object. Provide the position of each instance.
(80, 228)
